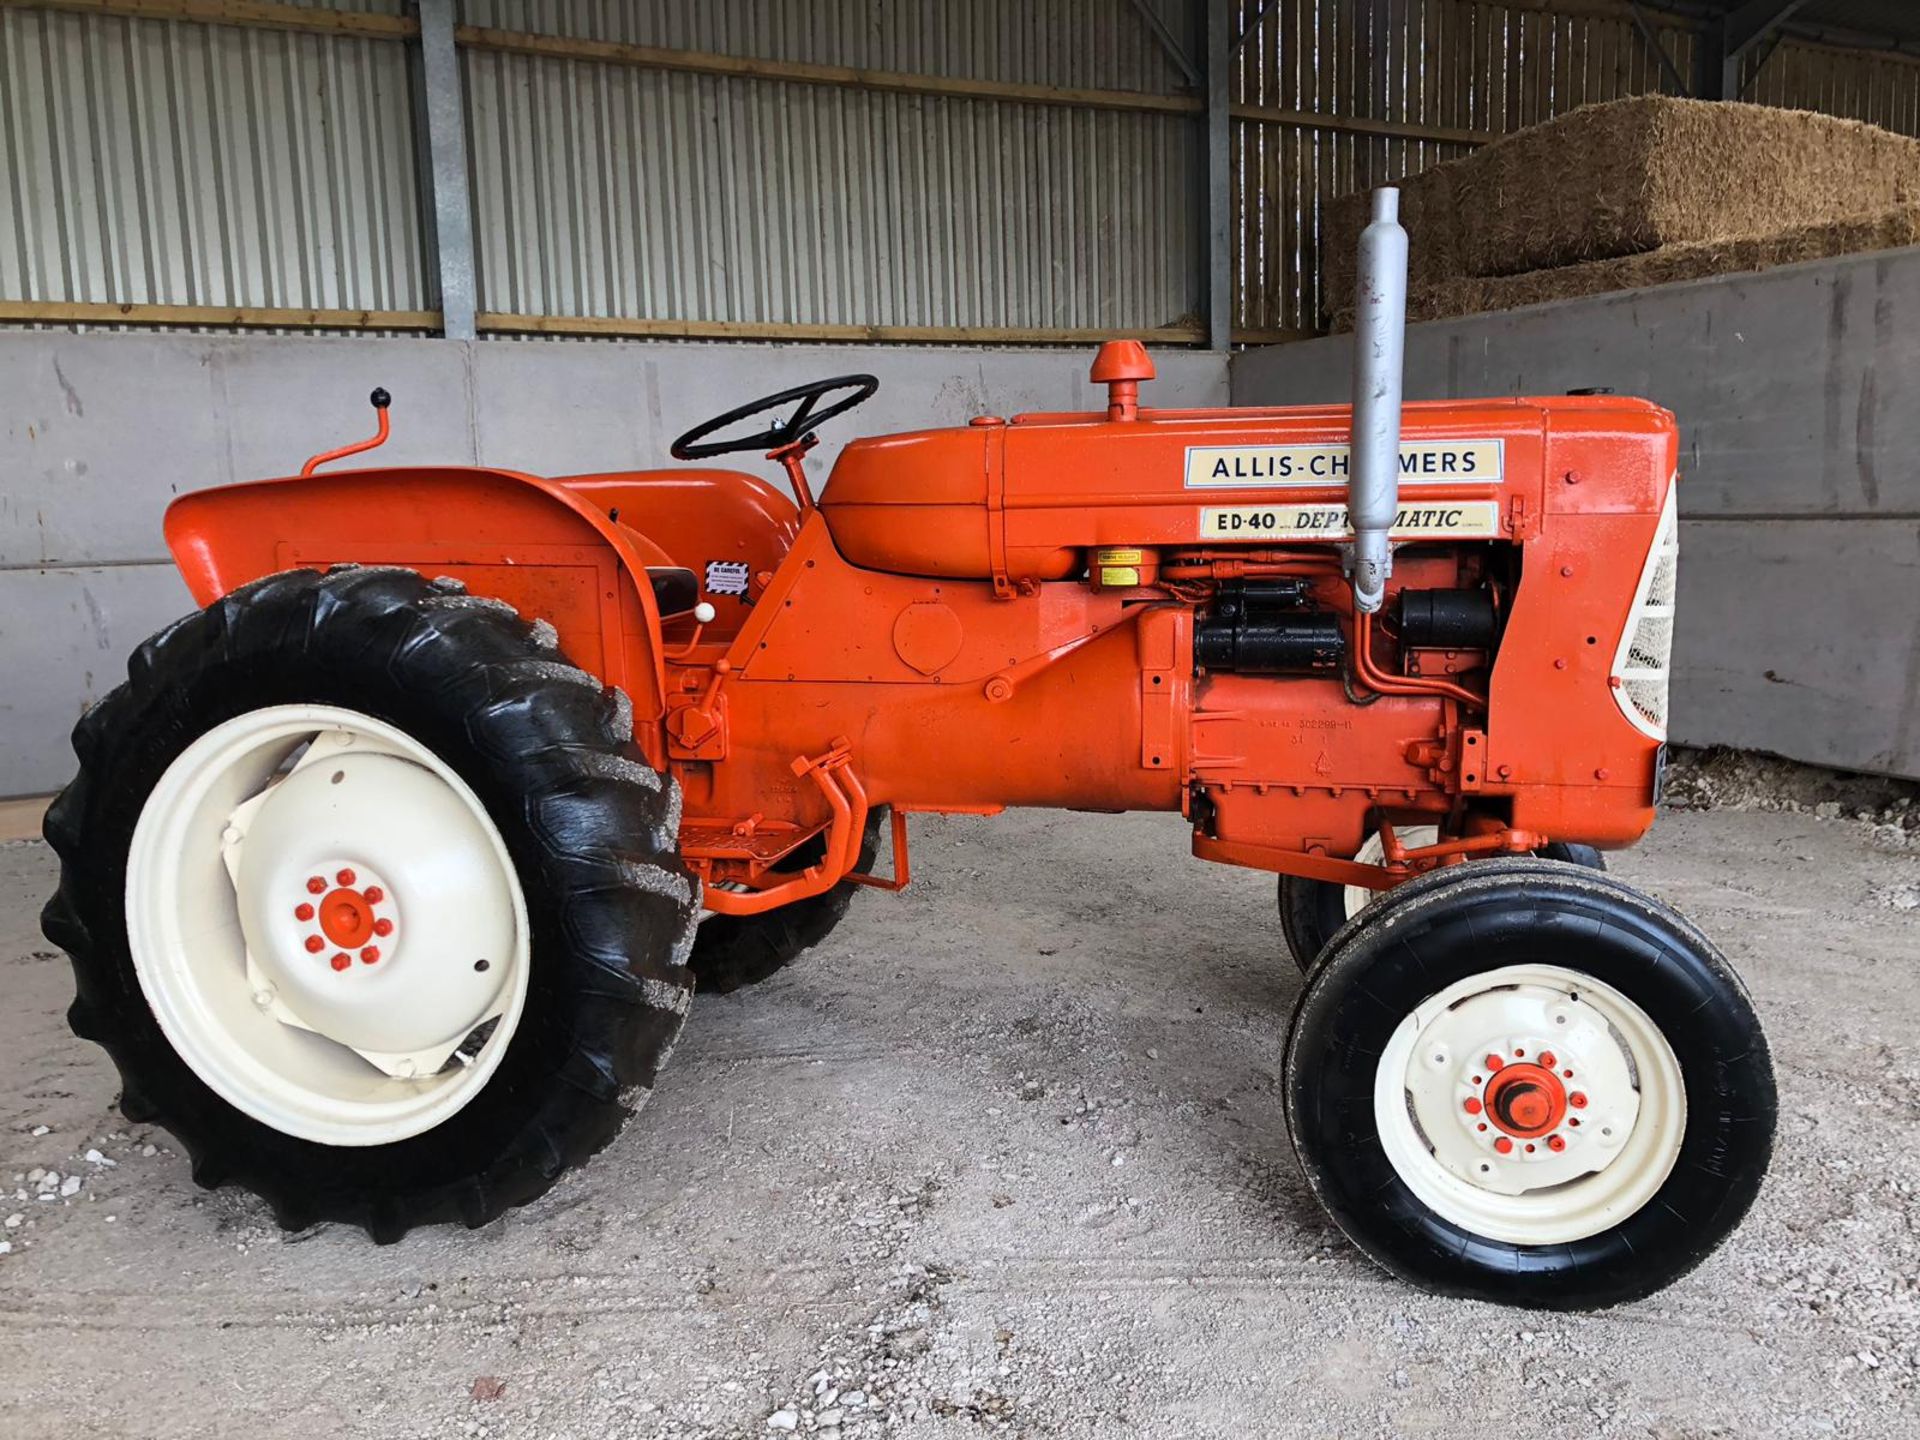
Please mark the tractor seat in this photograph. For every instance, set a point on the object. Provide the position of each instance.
(676, 589)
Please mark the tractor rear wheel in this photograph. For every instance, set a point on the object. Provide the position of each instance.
(734, 951)
(371, 899)
(1312, 910)
(1522, 1081)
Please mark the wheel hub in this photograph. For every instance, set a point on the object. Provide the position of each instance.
(354, 915)
(1525, 1100)
(1521, 1088)
(324, 863)
(1529, 1103)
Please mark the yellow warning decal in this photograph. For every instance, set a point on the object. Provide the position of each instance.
(1422, 462)
(1443, 520)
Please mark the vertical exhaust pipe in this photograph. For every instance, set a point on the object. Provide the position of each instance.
(1379, 356)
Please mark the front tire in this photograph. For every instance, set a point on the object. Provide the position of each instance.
(371, 900)
(1524, 1082)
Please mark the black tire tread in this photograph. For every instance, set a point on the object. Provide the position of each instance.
(592, 830)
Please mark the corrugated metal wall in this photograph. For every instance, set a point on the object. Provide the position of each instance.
(1475, 70)
(603, 189)
(239, 166)
(1884, 90)
(162, 162)
(187, 164)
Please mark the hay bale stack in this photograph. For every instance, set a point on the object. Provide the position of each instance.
(1723, 186)
(1472, 295)
(1427, 213)
(1633, 175)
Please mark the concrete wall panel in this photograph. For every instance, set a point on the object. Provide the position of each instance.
(64, 639)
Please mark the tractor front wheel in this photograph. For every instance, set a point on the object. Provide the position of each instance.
(1524, 1082)
(371, 899)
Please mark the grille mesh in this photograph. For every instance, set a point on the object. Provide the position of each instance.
(1642, 668)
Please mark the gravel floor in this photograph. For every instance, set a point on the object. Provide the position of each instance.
(1004, 1157)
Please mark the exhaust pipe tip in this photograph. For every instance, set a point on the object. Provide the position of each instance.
(1379, 363)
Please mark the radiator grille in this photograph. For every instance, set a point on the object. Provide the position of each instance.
(1642, 667)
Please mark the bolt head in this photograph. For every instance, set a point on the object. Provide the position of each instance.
(1503, 1145)
(1602, 773)
(1560, 664)
(1473, 1106)
(370, 955)
(316, 886)
(1578, 1099)
(345, 877)
(340, 961)
(1549, 1059)
(374, 894)
(315, 944)
(1556, 1142)
(303, 912)
(1493, 1061)
(383, 927)
(1567, 571)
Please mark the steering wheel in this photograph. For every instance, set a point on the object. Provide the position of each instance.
(804, 420)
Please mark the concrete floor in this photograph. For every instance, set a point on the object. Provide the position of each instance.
(1006, 1156)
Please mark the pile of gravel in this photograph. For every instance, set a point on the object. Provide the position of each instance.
(1723, 779)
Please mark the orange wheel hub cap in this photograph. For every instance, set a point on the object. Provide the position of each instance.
(1526, 1100)
(346, 918)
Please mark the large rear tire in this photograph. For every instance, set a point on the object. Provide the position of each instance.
(1311, 911)
(1522, 1081)
(372, 900)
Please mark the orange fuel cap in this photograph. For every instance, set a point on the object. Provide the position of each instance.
(1121, 365)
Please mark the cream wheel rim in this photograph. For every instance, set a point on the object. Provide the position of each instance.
(1530, 1104)
(327, 925)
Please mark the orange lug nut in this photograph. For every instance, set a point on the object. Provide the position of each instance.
(303, 912)
(1472, 1106)
(345, 877)
(1578, 1099)
(315, 944)
(374, 894)
(340, 961)
(316, 886)
(383, 927)
(1503, 1145)
(370, 955)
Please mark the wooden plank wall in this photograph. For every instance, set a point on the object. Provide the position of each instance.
(1331, 96)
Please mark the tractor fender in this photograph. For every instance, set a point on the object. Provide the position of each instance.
(553, 554)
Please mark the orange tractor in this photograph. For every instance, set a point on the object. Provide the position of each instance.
(389, 875)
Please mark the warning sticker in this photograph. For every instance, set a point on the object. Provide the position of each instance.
(1446, 520)
(727, 577)
(1422, 462)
